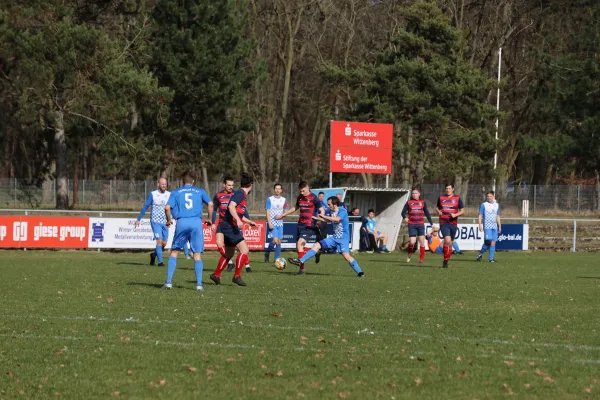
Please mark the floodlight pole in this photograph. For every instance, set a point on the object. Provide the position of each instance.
(330, 179)
(387, 181)
(497, 117)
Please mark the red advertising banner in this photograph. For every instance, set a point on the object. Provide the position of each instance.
(358, 147)
(254, 235)
(46, 232)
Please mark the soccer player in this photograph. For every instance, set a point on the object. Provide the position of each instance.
(186, 205)
(158, 220)
(376, 234)
(275, 206)
(449, 208)
(309, 205)
(221, 200)
(340, 241)
(231, 227)
(489, 224)
(417, 211)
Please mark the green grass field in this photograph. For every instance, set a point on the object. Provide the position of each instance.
(95, 325)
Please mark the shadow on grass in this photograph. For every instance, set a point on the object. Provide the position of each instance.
(153, 285)
(134, 263)
(588, 277)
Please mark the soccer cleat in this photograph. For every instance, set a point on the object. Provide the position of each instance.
(215, 279)
(492, 261)
(230, 267)
(384, 250)
(152, 258)
(248, 269)
(161, 264)
(479, 257)
(188, 257)
(238, 281)
(318, 257)
(420, 261)
(445, 264)
(295, 261)
(200, 288)
(361, 275)
(167, 286)
(266, 258)
(408, 259)
(460, 253)
(300, 272)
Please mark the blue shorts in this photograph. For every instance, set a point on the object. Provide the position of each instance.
(416, 230)
(339, 245)
(189, 229)
(160, 231)
(307, 233)
(490, 234)
(218, 230)
(449, 230)
(275, 233)
(232, 235)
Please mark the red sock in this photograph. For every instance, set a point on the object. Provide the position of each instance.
(221, 266)
(300, 255)
(221, 250)
(447, 253)
(241, 260)
(421, 253)
(410, 249)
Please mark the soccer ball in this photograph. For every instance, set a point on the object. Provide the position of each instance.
(280, 263)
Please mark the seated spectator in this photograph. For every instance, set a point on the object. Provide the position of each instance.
(339, 196)
(434, 240)
(355, 212)
(379, 236)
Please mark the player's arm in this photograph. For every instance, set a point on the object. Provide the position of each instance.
(330, 219)
(169, 208)
(214, 214)
(427, 214)
(209, 205)
(288, 212)
(246, 218)
(439, 208)
(461, 209)
(480, 217)
(404, 212)
(268, 212)
(147, 204)
(498, 221)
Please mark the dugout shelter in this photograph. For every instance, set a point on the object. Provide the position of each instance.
(386, 202)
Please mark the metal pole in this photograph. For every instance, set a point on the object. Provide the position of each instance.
(387, 181)
(83, 189)
(15, 192)
(54, 183)
(534, 197)
(497, 117)
(110, 192)
(330, 179)
(574, 236)
(578, 199)
(145, 189)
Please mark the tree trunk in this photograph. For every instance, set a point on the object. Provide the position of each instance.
(60, 157)
(597, 190)
(241, 155)
(76, 181)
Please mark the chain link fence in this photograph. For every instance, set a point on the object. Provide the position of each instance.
(129, 195)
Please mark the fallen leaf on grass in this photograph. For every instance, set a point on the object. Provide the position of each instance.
(549, 379)
(57, 394)
(507, 388)
(110, 300)
(333, 382)
(60, 292)
(230, 359)
(192, 369)
(462, 373)
(587, 389)
(129, 372)
(343, 395)
(509, 363)
(531, 363)
(21, 392)
(527, 385)
(162, 382)
(539, 372)
(303, 339)
(209, 372)
(458, 358)
(523, 373)
(279, 373)
(319, 355)
(263, 366)
(10, 374)
(433, 368)
(392, 385)
(300, 395)
(276, 314)
(418, 381)
(345, 340)
(115, 394)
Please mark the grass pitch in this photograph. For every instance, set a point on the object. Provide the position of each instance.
(95, 325)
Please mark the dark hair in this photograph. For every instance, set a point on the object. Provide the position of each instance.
(491, 192)
(246, 180)
(371, 211)
(187, 177)
(302, 185)
(354, 209)
(277, 184)
(418, 189)
(334, 200)
(322, 193)
(449, 184)
(227, 178)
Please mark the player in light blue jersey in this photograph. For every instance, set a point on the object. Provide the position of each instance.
(489, 224)
(185, 205)
(340, 241)
(158, 220)
(275, 206)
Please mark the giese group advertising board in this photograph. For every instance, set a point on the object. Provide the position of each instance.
(360, 147)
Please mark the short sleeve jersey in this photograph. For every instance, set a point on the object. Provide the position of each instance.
(341, 229)
(188, 202)
(276, 207)
(308, 206)
(489, 212)
(239, 198)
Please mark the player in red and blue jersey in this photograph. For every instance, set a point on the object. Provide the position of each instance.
(186, 205)
(231, 227)
(309, 206)
(417, 211)
(449, 208)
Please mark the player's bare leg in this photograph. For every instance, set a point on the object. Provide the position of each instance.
(305, 256)
(241, 261)
(411, 247)
(421, 249)
(447, 250)
(354, 265)
(300, 248)
(384, 239)
(225, 257)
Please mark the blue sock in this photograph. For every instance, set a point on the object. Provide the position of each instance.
(185, 250)
(484, 248)
(270, 249)
(355, 267)
(308, 255)
(277, 251)
(455, 247)
(171, 265)
(158, 252)
(492, 252)
(198, 267)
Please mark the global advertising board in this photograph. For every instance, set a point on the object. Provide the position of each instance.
(513, 237)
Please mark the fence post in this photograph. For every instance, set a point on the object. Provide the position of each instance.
(578, 199)
(534, 197)
(15, 193)
(110, 192)
(145, 189)
(54, 189)
(83, 190)
(574, 249)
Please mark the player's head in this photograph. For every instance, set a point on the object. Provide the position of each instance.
(162, 184)
(277, 189)
(371, 213)
(228, 183)
(304, 188)
(355, 211)
(187, 178)
(333, 203)
(246, 181)
(416, 193)
(490, 196)
(321, 196)
(339, 196)
(449, 189)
